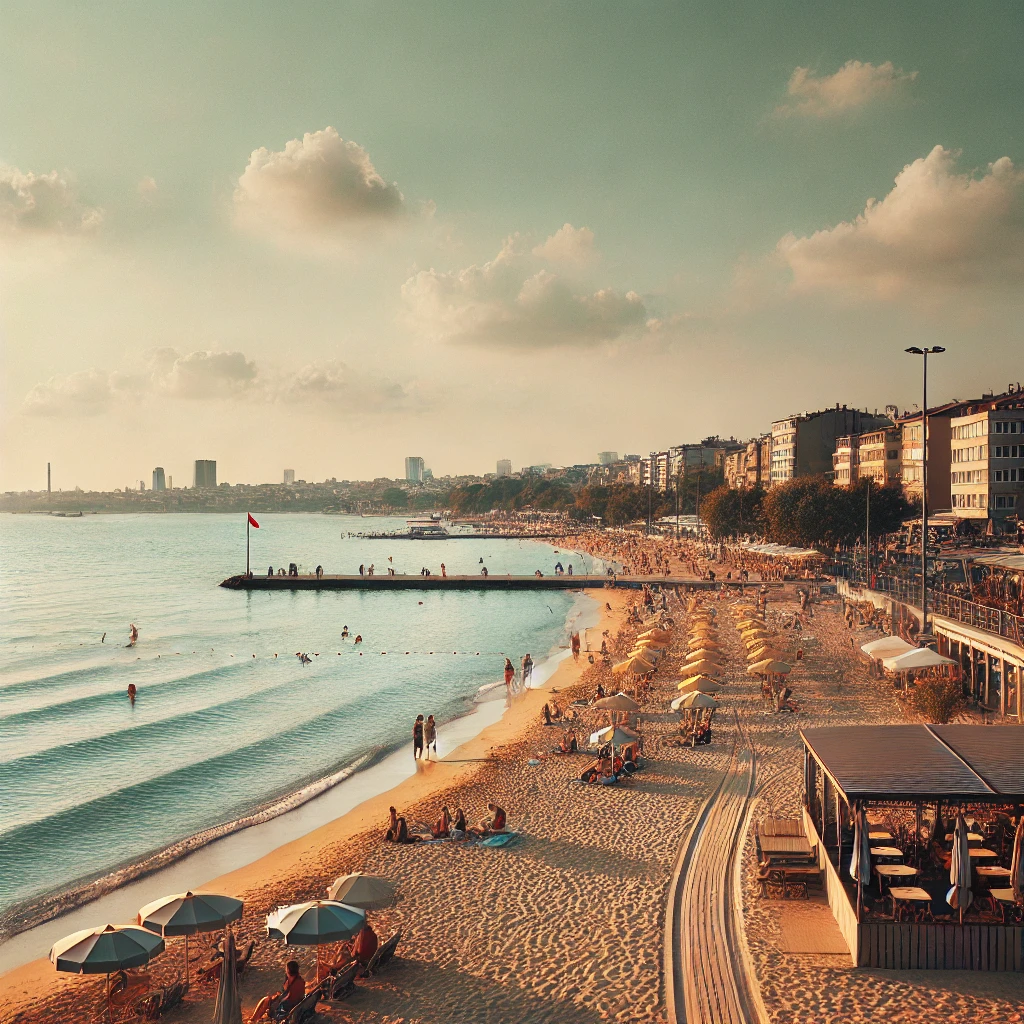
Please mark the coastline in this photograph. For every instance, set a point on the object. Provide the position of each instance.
(320, 811)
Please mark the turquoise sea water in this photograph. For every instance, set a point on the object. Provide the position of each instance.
(89, 782)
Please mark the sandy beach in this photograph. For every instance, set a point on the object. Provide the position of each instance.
(567, 923)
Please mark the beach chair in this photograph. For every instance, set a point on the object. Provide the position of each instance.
(156, 1003)
(383, 956)
(342, 982)
(305, 1010)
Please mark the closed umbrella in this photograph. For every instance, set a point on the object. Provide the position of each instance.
(708, 668)
(1017, 863)
(860, 861)
(616, 702)
(959, 896)
(365, 892)
(228, 1008)
(188, 914)
(316, 923)
(105, 950)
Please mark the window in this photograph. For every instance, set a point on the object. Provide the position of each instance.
(1008, 427)
(1007, 476)
(1008, 451)
(1005, 500)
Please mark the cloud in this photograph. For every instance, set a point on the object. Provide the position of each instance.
(319, 185)
(853, 86)
(936, 233)
(213, 376)
(147, 189)
(509, 302)
(568, 245)
(42, 204)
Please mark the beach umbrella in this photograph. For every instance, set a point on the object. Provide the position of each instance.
(617, 735)
(316, 923)
(754, 633)
(706, 652)
(703, 639)
(1017, 863)
(696, 678)
(645, 654)
(700, 684)
(959, 896)
(860, 861)
(228, 1008)
(693, 701)
(708, 668)
(188, 914)
(105, 950)
(748, 623)
(616, 702)
(700, 635)
(760, 653)
(365, 892)
(769, 667)
(636, 664)
(656, 634)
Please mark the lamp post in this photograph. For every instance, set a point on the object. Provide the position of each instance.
(924, 353)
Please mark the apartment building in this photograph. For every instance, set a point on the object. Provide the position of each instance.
(987, 460)
(939, 465)
(803, 445)
(844, 460)
(878, 455)
(748, 465)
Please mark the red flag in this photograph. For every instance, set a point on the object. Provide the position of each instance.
(252, 522)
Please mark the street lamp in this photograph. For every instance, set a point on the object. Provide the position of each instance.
(924, 353)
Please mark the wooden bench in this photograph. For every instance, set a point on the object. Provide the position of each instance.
(796, 878)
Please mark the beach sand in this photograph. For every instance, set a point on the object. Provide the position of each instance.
(565, 925)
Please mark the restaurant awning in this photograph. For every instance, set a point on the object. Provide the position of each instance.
(916, 658)
(921, 762)
(886, 647)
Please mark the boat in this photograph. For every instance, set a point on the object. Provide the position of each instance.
(426, 529)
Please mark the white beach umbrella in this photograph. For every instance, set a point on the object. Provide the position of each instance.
(315, 923)
(959, 896)
(860, 861)
(367, 892)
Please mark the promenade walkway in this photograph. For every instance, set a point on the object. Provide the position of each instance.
(711, 979)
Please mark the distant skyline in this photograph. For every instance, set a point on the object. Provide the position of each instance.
(324, 236)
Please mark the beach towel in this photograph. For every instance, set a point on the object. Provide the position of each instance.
(501, 839)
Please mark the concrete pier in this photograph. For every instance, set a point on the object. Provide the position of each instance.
(493, 582)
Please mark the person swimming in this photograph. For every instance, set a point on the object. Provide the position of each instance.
(358, 639)
(132, 692)
(133, 635)
(344, 633)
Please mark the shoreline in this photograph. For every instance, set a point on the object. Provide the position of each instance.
(236, 846)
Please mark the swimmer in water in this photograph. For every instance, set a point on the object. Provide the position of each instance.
(344, 633)
(131, 692)
(133, 635)
(358, 639)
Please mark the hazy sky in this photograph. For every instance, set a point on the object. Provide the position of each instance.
(326, 236)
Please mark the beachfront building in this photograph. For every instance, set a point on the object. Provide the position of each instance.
(987, 460)
(803, 445)
(878, 455)
(414, 467)
(844, 460)
(912, 450)
(736, 469)
(159, 484)
(205, 475)
(504, 468)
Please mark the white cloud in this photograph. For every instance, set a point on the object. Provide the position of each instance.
(936, 233)
(42, 204)
(853, 86)
(508, 301)
(568, 245)
(212, 376)
(319, 185)
(147, 189)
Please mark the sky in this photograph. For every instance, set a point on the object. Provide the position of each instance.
(325, 236)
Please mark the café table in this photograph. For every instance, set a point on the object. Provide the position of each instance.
(1009, 908)
(992, 871)
(981, 853)
(893, 852)
(972, 837)
(903, 898)
(887, 872)
(879, 834)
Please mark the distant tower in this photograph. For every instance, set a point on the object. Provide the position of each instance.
(607, 458)
(206, 473)
(159, 483)
(504, 468)
(414, 466)
(289, 477)
(170, 482)
(47, 478)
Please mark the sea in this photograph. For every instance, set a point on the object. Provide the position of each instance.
(229, 726)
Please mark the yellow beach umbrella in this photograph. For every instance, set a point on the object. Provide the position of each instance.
(769, 667)
(636, 664)
(705, 652)
(760, 653)
(751, 631)
(700, 684)
(691, 701)
(694, 679)
(748, 623)
(708, 668)
(704, 641)
(655, 634)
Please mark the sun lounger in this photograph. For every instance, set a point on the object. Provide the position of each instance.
(383, 956)
(342, 982)
(159, 1001)
(306, 1010)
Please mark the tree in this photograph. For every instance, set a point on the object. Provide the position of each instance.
(728, 512)
(395, 497)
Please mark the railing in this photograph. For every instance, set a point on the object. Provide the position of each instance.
(971, 613)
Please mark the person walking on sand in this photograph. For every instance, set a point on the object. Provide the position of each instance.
(417, 737)
(444, 571)
(527, 670)
(510, 675)
(575, 643)
(430, 736)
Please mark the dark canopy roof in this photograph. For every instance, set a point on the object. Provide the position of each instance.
(922, 762)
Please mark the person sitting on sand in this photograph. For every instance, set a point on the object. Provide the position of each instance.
(391, 835)
(600, 692)
(361, 948)
(605, 772)
(495, 823)
(556, 711)
(568, 744)
(403, 835)
(279, 1004)
(459, 829)
(443, 826)
(545, 713)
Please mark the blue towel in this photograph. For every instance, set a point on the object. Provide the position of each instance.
(501, 839)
